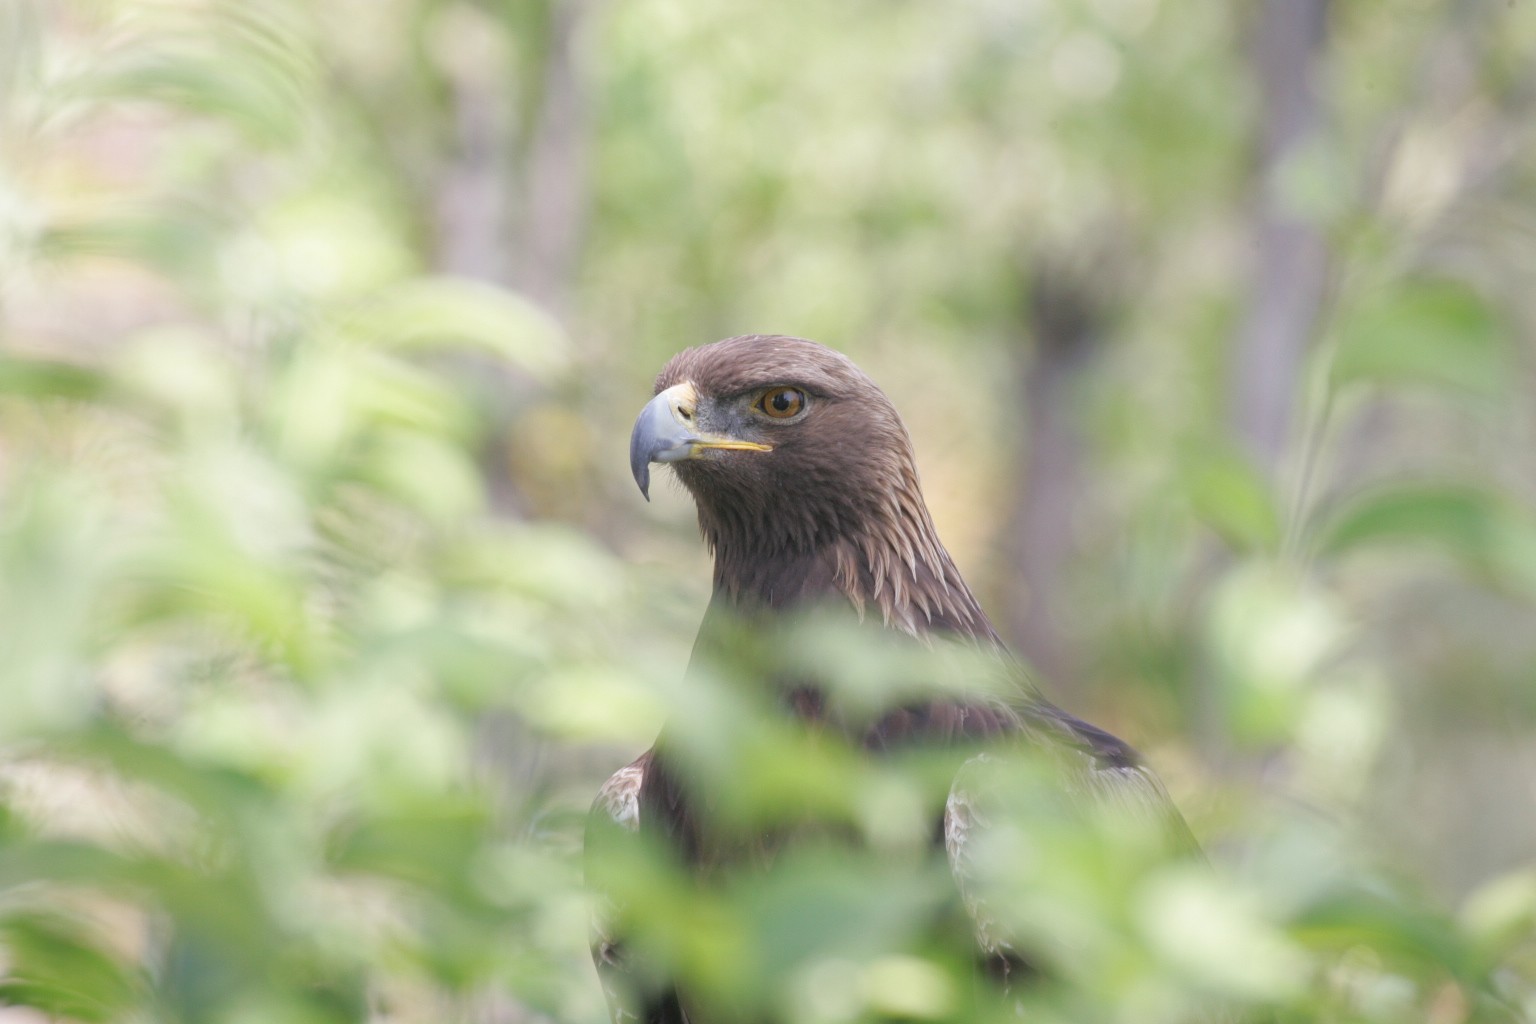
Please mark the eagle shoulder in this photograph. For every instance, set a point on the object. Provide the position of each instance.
(619, 798)
(614, 817)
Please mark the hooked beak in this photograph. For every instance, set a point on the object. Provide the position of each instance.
(666, 431)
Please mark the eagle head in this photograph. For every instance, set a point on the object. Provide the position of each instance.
(804, 478)
(778, 439)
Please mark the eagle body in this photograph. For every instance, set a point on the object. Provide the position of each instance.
(808, 497)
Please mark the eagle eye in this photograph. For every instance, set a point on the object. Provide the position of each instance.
(782, 403)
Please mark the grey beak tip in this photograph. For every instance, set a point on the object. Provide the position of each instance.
(642, 473)
(640, 461)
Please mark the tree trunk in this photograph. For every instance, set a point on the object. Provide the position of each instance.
(512, 206)
(1066, 314)
(554, 169)
(1290, 255)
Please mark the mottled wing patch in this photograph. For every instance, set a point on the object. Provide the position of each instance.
(620, 796)
(964, 823)
(617, 803)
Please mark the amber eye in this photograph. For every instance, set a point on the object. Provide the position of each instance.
(782, 403)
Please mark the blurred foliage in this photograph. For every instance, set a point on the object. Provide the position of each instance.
(325, 604)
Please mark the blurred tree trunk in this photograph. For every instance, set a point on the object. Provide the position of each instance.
(513, 195)
(473, 237)
(1290, 255)
(552, 172)
(1288, 279)
(1065, 315)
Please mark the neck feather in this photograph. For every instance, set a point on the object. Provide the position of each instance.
(889, 563)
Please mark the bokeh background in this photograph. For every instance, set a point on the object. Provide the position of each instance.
(326, 599)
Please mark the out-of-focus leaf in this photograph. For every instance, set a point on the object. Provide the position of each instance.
(1232, 497)
(436, 478)
(1270, 631)
(1402, 930)
(436, 848)
(183, 373)
(446, 313)
(173, 236)
(379, 742)
(1216, 933)
(220, 797)
(390, 391)
(816, 904)
(247, 65)
(1341, 734)
(313, 411)
(909, 987)
(1489, 533)
(55, 965)
(1462, 519)
(56, 554)
(231, 555)
(1501, 914)
(592, 704)
(22, 29)
(546, 561)
(331, 243)
(201, 85)
(1431, 332)
(50, 378)
(335, 408)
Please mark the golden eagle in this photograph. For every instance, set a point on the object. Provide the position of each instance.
(807, 494)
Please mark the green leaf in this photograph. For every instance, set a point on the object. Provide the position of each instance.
(244, 65)
(1501, 914)
(435, 847)
(1438, 333)
(1271, 631)
(1490, 534)
(49, 378)
(56, 966)
(1232, 497)
(445, 312)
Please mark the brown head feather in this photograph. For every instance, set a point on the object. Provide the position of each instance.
(834, 508)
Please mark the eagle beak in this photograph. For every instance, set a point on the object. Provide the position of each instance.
(666, 432)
